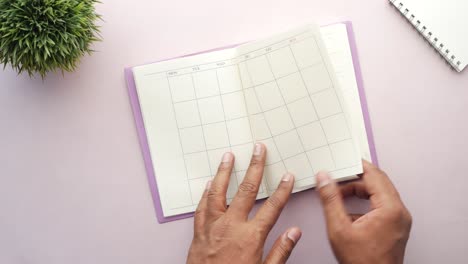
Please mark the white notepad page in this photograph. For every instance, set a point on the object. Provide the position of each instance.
(281, 91)
(336, 40)
(444, 23)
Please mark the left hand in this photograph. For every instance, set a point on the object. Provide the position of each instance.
(226, 235)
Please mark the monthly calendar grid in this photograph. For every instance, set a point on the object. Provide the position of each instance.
(247, 109)
(292, 156)
(313, 105)
(334, 90)
(268, 126)
(220, 64)
(254, 114)
(202, 128)
(256, 97)
(245, 87)
(227, 132)
(286, 105)
(275, 79)
(180, 142)
(266, 138)
(202, 125)
(310, 95)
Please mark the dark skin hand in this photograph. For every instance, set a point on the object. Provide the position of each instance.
(380, 236)
(226, 235)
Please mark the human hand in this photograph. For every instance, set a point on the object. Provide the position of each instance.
(226, 235)
(379, 236)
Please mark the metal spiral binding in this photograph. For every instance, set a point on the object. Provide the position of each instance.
(429, 36)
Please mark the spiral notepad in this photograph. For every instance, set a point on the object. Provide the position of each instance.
(444, 25)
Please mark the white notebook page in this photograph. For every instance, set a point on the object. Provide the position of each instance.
(445, 20)
(280, 91)
(336, 40)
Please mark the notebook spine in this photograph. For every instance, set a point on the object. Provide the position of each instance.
(430, 37)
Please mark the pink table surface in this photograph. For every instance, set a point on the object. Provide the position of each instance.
(73, 187)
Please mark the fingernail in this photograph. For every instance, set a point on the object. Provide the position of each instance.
(258, 149)
(323, 179)
(208, 185)
(227, 157)
(286, 177)
(294, 235)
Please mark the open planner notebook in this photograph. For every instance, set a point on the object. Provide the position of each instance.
(295, 92)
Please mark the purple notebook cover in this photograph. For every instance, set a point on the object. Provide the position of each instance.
(144, 141)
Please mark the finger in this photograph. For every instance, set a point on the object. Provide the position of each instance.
(354, 217)
(378, 185)
(357, 188)
(332, 203)
(248, 189)
(200, 213)
(216, 199)
(273, 206)
(283, 246)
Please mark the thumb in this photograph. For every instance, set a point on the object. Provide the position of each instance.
(283, 246)
(332, 202)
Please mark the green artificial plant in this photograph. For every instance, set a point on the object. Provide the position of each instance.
(44, 35)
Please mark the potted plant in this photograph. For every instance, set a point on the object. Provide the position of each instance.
(40, 36)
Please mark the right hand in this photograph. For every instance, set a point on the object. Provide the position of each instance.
(379, 236)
